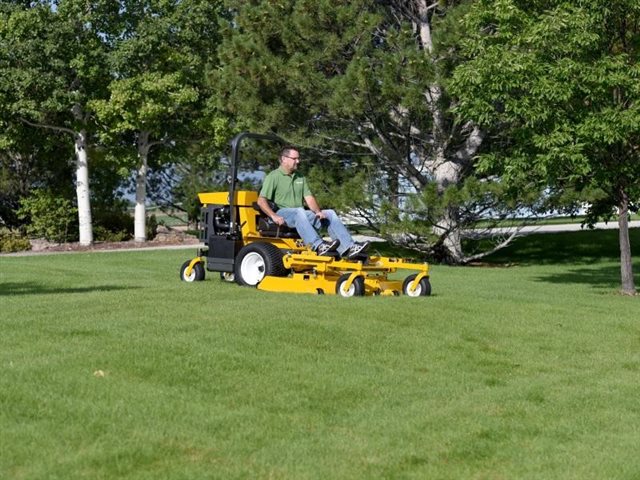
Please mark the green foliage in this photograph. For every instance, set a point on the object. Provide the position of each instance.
(116, 69)
(151, 226)
(158, 102)
(113, 225)
(12, 241)
(161, 52)
(101, 234)
(54, 61)
(48, 216)
(560, 82)
(31, 159)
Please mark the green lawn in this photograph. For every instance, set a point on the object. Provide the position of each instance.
(110, 367)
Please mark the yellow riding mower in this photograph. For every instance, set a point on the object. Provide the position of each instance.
(247, 247)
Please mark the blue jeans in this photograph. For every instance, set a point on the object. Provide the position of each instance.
(307, 224)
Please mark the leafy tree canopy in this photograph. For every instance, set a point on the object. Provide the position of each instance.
(559, 83)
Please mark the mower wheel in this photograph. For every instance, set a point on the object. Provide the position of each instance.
(228, 277)
(197, 272)
(256, 260)
(423, 289)
(355, 290)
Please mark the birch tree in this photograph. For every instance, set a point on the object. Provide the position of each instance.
(160, 55)
(53, 65)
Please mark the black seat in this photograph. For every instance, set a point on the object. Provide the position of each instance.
(268, 228)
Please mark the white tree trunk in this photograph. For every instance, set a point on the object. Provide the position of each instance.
(140, 216)
(82, 189)
(448, 173)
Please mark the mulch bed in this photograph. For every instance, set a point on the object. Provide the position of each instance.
(162, 239)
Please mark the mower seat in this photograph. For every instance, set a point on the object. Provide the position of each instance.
(268, 228)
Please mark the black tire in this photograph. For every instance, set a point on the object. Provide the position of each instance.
(255, 261)
(197, 272)
(423, 289)
(356, 289)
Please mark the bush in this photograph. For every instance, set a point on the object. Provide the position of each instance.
(151, 227)
(13, 242)
(101, 234)
(48, 215)
(112, 226)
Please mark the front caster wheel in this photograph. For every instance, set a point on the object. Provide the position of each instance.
(197, 272)
(227, 277)
(423, 288)
(355, 290)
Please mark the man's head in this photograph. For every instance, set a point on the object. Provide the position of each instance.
(289, 159)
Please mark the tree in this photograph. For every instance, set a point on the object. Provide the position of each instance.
(560, 80)
(160, 55)
(366, 82)
(53, 64)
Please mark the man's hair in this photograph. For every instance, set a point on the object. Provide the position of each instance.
(286, 151)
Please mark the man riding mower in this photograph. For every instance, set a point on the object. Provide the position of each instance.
(269, 241)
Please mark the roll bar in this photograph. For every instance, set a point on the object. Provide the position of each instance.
(235, 160)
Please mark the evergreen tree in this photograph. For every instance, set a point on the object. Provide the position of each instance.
(364, 83)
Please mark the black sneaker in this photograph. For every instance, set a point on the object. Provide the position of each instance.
(326, 247)
(356, 249)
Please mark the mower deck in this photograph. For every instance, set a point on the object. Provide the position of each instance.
(317, 274)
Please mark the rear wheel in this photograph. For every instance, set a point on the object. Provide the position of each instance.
(423, 288)
(257, 260)
(355, 290)
(197, 272)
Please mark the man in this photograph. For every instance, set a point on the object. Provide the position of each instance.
(288, 189)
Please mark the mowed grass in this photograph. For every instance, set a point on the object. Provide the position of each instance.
(110, 367)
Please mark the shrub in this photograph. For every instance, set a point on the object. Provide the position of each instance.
(101, 234)
(49, 216)
(152, 227)
(112, 226)
(13, 242)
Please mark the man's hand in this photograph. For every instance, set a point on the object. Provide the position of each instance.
(266, 209)
(277, 219)
(320, 214)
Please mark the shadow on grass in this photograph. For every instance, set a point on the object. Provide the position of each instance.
(592, 257)
(32, 288)
(584, 247)
(604, 277)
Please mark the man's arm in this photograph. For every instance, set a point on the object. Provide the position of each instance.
(264, 206)
(313, 206)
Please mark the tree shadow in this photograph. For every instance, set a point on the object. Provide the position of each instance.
(591, 257)
(606, 277)
(8, 289)
(583, 247)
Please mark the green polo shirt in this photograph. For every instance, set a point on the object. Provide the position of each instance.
(287, 191)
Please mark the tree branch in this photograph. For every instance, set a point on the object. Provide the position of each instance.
(49, 127)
